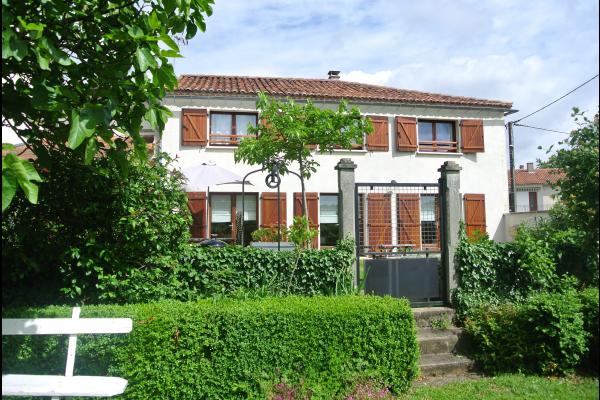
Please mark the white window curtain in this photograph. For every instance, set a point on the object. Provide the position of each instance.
(249, 206)
(241, 123)
(220, 124)
(329, 210)
(220, 208)
(427, 208)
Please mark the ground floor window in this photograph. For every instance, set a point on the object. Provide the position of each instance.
(328, 219)
(429, 229)
(226, 217)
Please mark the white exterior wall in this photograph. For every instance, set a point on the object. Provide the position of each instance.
(546, 197)
(481, 172)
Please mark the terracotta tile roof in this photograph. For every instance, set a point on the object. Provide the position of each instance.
(319, 89)
(22, 151)
(539, 176)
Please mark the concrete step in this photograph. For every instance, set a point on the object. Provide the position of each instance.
(444, 364)
(427, 317)
(440, 341)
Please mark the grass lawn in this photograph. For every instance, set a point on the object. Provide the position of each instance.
(510, 387)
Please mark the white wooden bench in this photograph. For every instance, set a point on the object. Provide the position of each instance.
(67, 385)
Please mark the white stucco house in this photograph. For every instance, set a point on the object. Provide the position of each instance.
(533, 188)
(415, 133)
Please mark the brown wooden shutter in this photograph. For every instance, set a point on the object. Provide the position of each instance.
(194, 126)
(406, 133)
(379, 222)
(474, 213)
(409, 220)
(312, 209)
(379, 140)
(472, 135)
(197, 206)
(269, 210)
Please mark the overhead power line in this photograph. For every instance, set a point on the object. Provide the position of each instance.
(561, 97)
(541, 129)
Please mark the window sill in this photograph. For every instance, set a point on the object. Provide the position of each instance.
(436, 153)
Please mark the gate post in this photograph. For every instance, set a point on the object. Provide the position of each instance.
(451, 211)
(346, 210)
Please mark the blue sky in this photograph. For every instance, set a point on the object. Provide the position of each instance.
(527, 52)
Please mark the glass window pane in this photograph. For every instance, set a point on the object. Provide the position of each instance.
(329, 234)
(220, 208)
(249, 206)
(242, 121)
(425, 131)
(220, 124)
(443, 131)
(427, 208)
(329, 209)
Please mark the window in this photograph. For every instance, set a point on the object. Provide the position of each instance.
(429, 229)
(438, 136)
(223, 225)
(328, 218)
(227, 129)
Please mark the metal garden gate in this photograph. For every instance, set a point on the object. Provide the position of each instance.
(398, 228)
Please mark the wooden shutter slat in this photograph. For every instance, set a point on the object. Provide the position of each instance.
(197, 206)
(269, 210)
(409, 220)
(474, 213)
(194, 124)
(406, 133)
(378, 140)
(312, 209)
(379, 220)
(472, 135)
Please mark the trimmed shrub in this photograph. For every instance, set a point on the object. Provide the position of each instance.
(589, 302)
(236, 349)
(544, 335)
(235, 271)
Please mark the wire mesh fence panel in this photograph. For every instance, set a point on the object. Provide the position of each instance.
(397, 218)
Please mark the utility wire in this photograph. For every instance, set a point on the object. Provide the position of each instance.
(561, 97)
(541, 129)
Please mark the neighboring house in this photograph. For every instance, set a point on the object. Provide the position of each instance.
(533, 188)
(415, 133)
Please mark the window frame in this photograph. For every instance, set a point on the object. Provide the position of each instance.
(233, 138)
(433, 146)
(234, 209)
(327, 246)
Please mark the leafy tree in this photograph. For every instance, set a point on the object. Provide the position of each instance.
(573, 226)
(75, 73)
(288, 129)
(91, 225)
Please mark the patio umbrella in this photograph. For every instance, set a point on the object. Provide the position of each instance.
(200, 177)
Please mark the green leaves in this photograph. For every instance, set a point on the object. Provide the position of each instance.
(81, 80)
(145, 59)
(18, 172)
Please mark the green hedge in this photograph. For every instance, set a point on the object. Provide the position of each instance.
(589, 303)
(236, 349)
(544, 334)
(234, 271)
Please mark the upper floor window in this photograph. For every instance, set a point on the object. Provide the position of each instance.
(437, 136)
(227, 129)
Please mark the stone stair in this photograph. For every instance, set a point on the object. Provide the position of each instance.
(442, 345)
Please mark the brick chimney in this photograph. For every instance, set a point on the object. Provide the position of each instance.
(529, 167)
(334, 74)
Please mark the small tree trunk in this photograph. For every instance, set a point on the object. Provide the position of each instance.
(304, 211)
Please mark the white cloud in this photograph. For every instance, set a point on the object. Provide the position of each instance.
(529, 53)
(377, 78)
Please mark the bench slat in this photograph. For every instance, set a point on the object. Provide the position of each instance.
(56, 385)
(65, 326)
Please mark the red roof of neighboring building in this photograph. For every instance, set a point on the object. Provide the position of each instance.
(538, 176)
(320, 89)
(22, 151)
